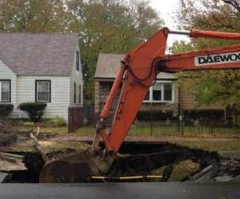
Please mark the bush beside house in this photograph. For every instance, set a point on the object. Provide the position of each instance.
(33, 109)
(5, 110)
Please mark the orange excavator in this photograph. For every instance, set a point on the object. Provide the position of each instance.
(138, 71)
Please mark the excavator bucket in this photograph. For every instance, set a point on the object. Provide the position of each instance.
(75, 167)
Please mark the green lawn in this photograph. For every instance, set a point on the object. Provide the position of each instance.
(187, 131)
(84, 131)
(156, 131)
(206, 135)
(211, 144)
(172, 131)
(58, 130)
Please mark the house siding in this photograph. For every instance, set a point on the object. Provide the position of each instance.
(102, 90)
(183, 99)
(76, 78)
(7, 73)
(59, 95)
(96, 96)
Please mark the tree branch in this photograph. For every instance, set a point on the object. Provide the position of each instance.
(233, 3)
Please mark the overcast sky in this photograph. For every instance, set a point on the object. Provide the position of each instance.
(166, 11)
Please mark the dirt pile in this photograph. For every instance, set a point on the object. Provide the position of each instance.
(7, 137)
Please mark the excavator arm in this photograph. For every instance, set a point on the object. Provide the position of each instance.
(137, 73)
(139, 70)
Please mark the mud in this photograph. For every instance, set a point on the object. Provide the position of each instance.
(170, 161)
(161, 159)
(7, 139)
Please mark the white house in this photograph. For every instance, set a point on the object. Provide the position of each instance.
(41, 68)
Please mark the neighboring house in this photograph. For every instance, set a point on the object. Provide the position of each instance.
(41, 68)
(164, 95)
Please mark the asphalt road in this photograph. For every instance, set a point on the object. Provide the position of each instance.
(121, 191)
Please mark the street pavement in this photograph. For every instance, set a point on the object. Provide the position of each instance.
(122, 191)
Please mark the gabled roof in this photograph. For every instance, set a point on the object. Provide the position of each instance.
(38, 54)
(108, 66)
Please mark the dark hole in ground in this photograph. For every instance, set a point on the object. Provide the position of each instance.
(161, 159)
(169, 161)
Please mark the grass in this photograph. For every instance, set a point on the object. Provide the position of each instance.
(171, 131)
(147, 131)
(212, 145)
(227, 142)
(46, 145)
(58, 130)
(84, 131)
(155, 129)
(206, 135)
(189, 131)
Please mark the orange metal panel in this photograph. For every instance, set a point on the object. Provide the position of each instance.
(140, 67)
(218, 58)
(214, 34)
(140, 62)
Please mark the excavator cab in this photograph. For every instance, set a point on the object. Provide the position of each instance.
(138, 71)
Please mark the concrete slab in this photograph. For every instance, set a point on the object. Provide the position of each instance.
(2, 176)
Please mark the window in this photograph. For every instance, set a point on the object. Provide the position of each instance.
(168, 92)
(5, 91)
(157, 92)
(160, 92)
(75, 93)
(77, 60)
(43, 91)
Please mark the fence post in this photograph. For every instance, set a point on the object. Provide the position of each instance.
(181, 123)
(151, 133)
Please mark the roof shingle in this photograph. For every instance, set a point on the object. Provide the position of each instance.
(38, 54)
(109, 64)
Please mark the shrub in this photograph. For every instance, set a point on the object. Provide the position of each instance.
(57, 122)
(204, 114)
(33, 109)
(5, 110)
(28, 124)
(154, 115)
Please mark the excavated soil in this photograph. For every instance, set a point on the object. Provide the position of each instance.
(161, 161)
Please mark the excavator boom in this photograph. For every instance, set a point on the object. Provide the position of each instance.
(141, 66)
(137, 73)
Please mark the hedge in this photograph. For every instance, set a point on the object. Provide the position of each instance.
(5, 110)
(33, 109)
(154, 115)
